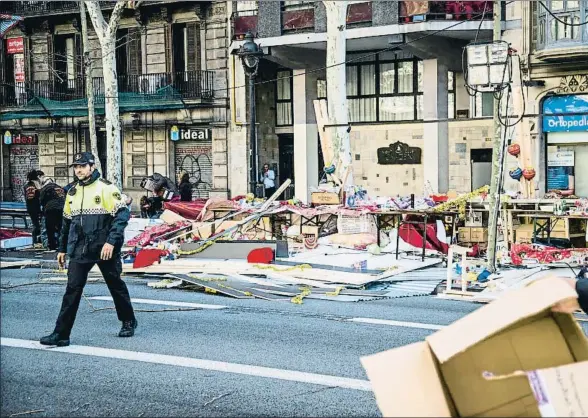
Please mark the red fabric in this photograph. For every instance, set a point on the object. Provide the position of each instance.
(152, 232)
(545, 255)
(189, 210)
(148, 257)
(8, 233)
(413, 234)
(263, 255)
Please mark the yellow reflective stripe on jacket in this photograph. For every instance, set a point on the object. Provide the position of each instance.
(97, 198)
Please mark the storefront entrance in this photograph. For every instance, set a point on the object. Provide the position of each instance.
(565, 125)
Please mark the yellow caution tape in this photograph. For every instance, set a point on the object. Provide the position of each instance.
(336, 291)
(298, 298)
(274, 268)
(208, 279)
(197, 250)
(209, 290)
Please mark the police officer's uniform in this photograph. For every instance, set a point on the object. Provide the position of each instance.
(94, 214)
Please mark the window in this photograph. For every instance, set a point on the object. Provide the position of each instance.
(386, 87)
(450, 95)
(484, 104)
(284, 98)
(298, 5)
(246, 8)
(558, 31)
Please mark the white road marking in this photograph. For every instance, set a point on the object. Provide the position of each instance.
(165, 302)
(220, 366)
(396, 323)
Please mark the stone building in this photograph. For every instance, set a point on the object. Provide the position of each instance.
(405, 83)
(171, 60)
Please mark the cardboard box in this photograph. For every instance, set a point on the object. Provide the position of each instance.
(479, 234)
(325, 198)
(447, 375)
(464, 234)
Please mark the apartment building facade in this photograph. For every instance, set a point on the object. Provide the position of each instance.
(406, 89)
(171, 60)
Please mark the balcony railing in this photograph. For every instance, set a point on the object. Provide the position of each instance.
(419, 11)
(38, 8)
(183, 84)
(186, 84)
(19, 94)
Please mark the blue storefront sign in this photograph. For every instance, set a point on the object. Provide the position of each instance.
(566, 113)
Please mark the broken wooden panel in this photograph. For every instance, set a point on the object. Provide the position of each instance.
(298, 19)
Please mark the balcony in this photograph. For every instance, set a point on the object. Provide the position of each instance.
(559, 36)
(168, 87)
(38, 8)
(420, 11)
(21, 93)
(297, 16)
(244, 21)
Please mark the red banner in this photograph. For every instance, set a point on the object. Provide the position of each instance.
(519, 253)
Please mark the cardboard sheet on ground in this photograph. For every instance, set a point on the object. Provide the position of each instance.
(361, 260)
(453, 372)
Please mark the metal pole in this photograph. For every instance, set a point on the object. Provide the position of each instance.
(497, 156)
(252, 132)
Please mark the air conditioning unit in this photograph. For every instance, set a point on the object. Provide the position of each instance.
(148, 84)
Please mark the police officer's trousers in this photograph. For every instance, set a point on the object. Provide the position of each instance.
(77, 275)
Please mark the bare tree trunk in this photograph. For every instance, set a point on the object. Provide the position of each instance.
(107, 37)
(336, 85)
(88, 66)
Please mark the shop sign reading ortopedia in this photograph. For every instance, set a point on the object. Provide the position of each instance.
(567, 113)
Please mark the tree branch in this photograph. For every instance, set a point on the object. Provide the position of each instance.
(97, 19)
(115, 17)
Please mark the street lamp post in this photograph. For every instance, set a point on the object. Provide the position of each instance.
(250, 54)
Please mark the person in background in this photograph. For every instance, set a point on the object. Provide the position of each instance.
(268, 178)
(33, 203)
(128, 201)
(162, 182)
(69, 186)
(580, 285)
(185, 187)
(52, 199)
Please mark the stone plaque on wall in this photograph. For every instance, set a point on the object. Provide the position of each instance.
(399, 153)
(138, 147)
(61, 148)
(61, 160)
(59, 137)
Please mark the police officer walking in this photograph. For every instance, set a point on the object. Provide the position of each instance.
(94, 220)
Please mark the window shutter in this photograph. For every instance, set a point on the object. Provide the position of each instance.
(193, 46)
(78, 57)
(135, 61)
(50, 57)
(167, 33)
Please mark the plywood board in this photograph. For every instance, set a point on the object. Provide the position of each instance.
(212, 286)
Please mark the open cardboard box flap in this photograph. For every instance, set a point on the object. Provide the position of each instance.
(490, 319)
(408, 381)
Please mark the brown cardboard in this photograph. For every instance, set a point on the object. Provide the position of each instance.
(464, 234)
(479, 234)
(515, 333)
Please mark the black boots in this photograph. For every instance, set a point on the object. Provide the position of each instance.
(128, 328)
(55, 339)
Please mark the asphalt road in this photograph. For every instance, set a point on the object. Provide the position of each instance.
(242, 359)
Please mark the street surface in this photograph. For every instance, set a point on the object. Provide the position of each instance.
(228, 358)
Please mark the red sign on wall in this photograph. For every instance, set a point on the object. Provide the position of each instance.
(15, 45)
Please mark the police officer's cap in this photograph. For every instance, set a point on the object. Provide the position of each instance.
(83, 158)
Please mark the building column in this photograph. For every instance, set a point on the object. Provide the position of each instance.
(436, 140)
(305, 134)
(238, 149)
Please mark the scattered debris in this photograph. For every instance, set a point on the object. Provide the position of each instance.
(216, 398)
(35, 411)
